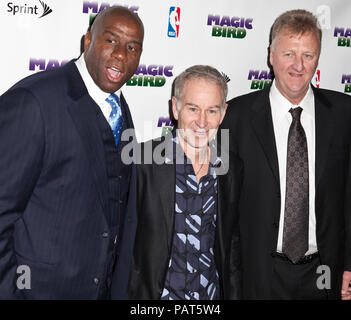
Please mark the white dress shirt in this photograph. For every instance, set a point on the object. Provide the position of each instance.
(282, 119)
(94, 91)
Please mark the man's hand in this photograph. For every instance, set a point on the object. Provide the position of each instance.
(346, 289)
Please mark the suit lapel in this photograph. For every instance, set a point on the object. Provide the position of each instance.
(263, 127)
(165, 173)
(324, 126)
(125, 107)
(222, 207)
(83, 113)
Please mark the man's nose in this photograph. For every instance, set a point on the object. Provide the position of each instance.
(202, 119)
(298, 63)
(119, 52)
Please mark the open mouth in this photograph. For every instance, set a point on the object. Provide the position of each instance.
(114, 74)
(295, 75)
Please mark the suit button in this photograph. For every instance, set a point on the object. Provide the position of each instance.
(275, 224)
(105, 235)
(120, 177)
(96, 281)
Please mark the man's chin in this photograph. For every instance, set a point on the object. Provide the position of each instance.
(197, 145)
(110, 87)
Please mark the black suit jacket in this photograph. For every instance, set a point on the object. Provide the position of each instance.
(252, 137)
(154, 236)
(53, 196)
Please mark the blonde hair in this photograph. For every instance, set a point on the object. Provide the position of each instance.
(296, 22)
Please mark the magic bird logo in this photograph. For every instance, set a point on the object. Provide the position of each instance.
(93, 8)
(229, 27)
(45, 64)
(16, 9)
(166, 124)
(151, 75)
(346, 80)
(344, 36)
(260, 79)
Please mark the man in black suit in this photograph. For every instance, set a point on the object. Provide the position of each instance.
(187, 244)
(294, 141)
(66, 198)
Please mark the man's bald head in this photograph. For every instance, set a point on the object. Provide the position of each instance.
(116, 10)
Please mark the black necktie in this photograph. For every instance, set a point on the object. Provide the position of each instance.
(295, 233)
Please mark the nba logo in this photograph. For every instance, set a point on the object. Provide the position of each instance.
(173, 22)
(317, 78)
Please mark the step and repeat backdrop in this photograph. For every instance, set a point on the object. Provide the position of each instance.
(232, 36)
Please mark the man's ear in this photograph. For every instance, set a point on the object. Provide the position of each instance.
(223, 112)
(271, 56)
(87, 40)
(174, 108)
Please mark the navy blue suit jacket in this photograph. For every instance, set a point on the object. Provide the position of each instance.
(53, 198)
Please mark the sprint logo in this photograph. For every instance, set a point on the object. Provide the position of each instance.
(16, 9)
(226, 78)
(46, 9)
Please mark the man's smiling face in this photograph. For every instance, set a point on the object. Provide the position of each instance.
(294, 58)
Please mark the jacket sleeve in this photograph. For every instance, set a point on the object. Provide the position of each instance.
(21, 150)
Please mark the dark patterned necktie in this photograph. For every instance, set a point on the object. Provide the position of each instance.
(295, 233)
(115, 119)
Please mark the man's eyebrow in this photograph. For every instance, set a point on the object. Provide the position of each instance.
(195, 105)
(214, 107)
(116, 35)
(110, 32)
(136, 42)
(191, 104)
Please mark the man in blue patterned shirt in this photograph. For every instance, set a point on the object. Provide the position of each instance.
(187, 243)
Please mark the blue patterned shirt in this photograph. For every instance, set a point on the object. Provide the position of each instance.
(192, 273)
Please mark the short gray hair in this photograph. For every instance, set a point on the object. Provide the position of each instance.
(297, 22)
(203, 72)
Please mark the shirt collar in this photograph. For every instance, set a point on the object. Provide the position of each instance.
(95, 92)
(283, 105)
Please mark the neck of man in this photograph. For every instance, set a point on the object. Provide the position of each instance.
(199, 157)
(293, 100)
